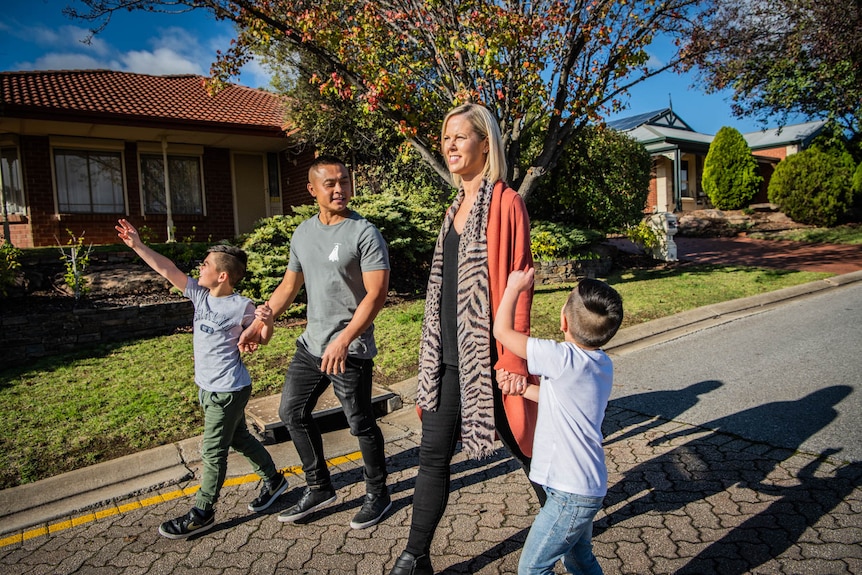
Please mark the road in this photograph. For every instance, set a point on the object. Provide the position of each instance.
(790, 376)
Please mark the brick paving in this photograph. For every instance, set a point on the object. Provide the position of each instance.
(682, 500)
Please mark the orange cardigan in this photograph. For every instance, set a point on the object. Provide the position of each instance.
(509, 249)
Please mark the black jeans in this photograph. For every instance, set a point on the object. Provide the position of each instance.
(441, 431)
(303, 386)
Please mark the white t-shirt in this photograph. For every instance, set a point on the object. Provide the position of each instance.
(573, 395)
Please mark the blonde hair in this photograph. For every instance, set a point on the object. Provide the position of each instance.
(485, 125)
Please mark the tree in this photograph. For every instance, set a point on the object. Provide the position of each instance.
(601, 183)
(730, 177)
(782, 57)
(549, 65)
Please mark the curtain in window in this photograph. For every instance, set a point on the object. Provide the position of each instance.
(89, 181)
(13, 192)
(185, 180)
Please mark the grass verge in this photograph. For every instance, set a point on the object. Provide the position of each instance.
(70, 411)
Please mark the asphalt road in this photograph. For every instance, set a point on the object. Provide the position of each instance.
(790, 376)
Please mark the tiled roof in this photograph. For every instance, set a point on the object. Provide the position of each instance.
(137, 98)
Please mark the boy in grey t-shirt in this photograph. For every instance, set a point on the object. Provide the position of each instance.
(343, 262)
(568, 460)
(223, 381)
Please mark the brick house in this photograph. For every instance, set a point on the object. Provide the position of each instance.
(80, 149)
(678, 154)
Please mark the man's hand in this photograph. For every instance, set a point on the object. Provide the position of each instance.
(334, 360)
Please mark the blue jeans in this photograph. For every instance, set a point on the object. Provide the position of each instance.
(563, 529)
(303, 386)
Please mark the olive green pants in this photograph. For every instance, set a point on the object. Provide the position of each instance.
(225, 427)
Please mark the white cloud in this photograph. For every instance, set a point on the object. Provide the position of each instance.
(158, 62)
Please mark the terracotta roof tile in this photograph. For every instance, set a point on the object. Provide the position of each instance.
(181, 98)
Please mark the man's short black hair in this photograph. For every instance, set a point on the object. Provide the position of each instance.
(325, 160)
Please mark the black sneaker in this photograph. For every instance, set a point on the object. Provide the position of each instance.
(311, 501)
(373, 510)
(270, 491)
(190, 524)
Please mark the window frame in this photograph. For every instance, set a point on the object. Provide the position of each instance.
(90, 147)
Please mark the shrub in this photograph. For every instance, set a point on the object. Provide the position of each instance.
(601, 183)
(268, 249)
(555, 241)
(730, 177)
(813, 187)
(9, 264)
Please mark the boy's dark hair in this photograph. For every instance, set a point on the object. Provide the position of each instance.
(325, 160)
(594, 311)
(231, 260)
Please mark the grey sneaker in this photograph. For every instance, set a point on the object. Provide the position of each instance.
(270, 491)
(190, 524)
(311, 501)
(373, 510)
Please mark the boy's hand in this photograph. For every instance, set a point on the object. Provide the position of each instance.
(249, 340)
(128, 233)
(521, 281)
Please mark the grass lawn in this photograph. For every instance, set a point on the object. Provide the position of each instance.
(70, 411)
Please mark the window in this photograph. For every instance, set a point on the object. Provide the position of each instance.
(13, 192)
(89, 181)
(184, 173)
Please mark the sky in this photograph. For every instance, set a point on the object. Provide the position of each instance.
(35, 35)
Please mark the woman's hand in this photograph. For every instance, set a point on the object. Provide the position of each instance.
(511, 383)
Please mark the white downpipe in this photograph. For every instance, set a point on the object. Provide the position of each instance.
(170, 215)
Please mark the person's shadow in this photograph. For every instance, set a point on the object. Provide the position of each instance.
(646, 411)
(777, 528)
(719, 459)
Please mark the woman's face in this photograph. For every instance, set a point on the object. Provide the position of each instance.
(465, 151)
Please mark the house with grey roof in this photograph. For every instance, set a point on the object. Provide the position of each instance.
(80, 149)
(678, 153)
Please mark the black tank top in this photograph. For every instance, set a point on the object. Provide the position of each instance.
(449, 299)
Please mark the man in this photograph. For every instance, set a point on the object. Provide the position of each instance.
(343, 261)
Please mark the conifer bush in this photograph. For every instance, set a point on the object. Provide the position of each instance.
(813, 187)
(730, 176)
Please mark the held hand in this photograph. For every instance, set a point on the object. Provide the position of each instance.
(521, 280)
(249, 340)
(264, 314)
(511, 383)
(334, 360)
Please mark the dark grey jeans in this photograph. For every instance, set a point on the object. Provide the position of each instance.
(304, 383)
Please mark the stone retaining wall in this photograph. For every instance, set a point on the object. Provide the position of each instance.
(25, 336)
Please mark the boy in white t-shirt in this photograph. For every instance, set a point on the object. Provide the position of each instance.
(568, 461)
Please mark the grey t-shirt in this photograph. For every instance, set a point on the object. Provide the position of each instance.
(332, 260)
(218, 323)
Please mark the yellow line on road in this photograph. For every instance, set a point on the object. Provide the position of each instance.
(149, 501)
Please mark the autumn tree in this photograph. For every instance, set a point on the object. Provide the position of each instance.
(785, 57)
(557, 65)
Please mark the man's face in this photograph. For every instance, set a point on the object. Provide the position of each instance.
(331, 187)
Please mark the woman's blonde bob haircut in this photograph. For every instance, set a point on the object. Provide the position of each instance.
(485, 125)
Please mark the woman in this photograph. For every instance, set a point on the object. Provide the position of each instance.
(485, 235)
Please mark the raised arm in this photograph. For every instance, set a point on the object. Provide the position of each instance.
(155, 260)
(504, 324)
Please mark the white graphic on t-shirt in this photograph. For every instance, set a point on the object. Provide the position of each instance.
(333, 255)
